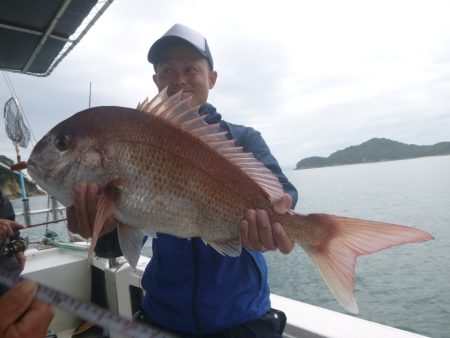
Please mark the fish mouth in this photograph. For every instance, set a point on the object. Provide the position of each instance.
(34, 170)
(32, 167)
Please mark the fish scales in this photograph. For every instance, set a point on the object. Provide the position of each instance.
(172, 181)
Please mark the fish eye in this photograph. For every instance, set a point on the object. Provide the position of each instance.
(63, 140)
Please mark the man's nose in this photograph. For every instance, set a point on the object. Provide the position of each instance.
(180, 78)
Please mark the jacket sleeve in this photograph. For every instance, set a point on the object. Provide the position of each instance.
(6, 208)
(108, 246)
(252, 141)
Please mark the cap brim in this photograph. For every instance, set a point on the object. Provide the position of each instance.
(164, 42)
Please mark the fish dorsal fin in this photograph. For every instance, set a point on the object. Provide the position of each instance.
(179, 112)
(149, 105)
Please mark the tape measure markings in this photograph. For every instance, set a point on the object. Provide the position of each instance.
(91, 312)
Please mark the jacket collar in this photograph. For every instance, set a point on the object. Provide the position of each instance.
(210, 110)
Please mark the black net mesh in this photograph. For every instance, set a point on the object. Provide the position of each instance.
(16, 129)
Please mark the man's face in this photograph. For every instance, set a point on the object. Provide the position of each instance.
(181, 67)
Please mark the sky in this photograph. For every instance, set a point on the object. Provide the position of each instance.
(313, 77)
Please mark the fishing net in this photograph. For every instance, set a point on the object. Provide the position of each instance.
(15, 127)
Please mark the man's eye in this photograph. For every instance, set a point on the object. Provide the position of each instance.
(63, 140)
(191, 70)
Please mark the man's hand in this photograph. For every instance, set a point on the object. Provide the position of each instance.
(7, 226)
(7, 229)
(81, 216)
(257, 233)
(24, 316)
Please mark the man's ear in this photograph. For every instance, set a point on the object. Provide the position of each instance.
(212, 78)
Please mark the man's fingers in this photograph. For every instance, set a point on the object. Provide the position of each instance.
(247, 229)
(5, 230)
(16, 225)
(244, 233)
(42, 311)
(81, 216)
(91, 202)
(15, 302)
(35, 321)
(265, 230)
(81, 211)
(72, 221)
(282, 241)
(254, 241)
(258, 233)
(21, 258)
(7, 226)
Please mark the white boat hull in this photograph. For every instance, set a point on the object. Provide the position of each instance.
(69, 272)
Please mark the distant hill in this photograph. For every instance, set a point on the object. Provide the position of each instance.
(375, 150)
(10, 184)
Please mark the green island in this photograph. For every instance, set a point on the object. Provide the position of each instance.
(375, 150)
(9, 181)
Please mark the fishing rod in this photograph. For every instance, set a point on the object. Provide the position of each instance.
(95, 314)
(45, 223)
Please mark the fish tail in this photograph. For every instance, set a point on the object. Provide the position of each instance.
(344, 239)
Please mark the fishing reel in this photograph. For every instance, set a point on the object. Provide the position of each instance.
(9, 247)
(13, 244)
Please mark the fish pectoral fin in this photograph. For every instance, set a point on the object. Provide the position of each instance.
(131, 241)
(232, 247)
(149, 233)
(113, 189)
(106, 207)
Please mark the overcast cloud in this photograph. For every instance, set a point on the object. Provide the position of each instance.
(312, 76)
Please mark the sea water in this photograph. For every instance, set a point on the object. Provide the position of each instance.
(407, 287)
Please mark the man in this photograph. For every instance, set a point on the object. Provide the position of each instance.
(8, 263)
(191, 289)
(22, 315)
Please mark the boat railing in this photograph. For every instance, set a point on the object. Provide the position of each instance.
(54, 212)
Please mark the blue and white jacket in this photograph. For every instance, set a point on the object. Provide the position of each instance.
(193, 289)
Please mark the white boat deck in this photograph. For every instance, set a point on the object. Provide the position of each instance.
(69, 272)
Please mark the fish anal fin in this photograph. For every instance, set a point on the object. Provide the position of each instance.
(232, 247)
(131, 241)
(343, 240)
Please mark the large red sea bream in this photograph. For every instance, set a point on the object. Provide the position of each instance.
(164, 169)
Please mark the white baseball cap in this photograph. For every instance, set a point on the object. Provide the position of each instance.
(184, 34)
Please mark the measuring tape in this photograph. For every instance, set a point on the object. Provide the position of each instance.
(90, 312)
